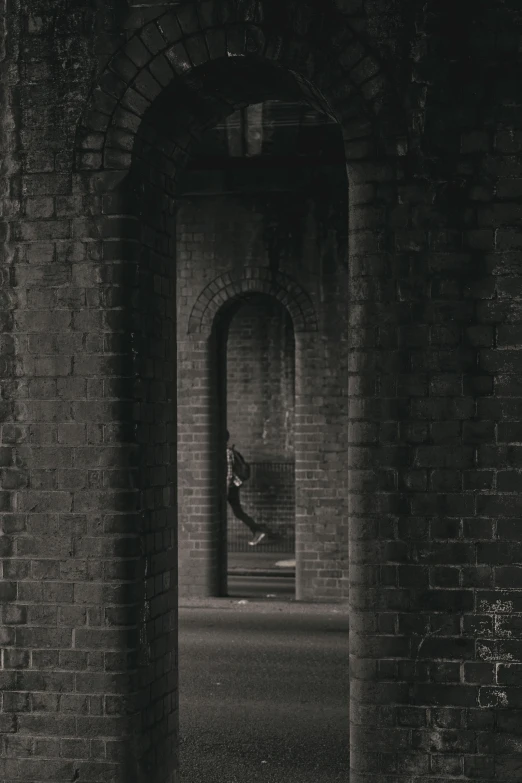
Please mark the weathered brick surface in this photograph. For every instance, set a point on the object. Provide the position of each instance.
(261, 381)
(201, 468)
(89, 538)
(432, 476)
(88, 382)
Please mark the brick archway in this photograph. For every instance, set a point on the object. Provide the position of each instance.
(250, 280)
(173, 78)
(347, 82)
(88, 387)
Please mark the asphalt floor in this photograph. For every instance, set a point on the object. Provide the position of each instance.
(263, 690)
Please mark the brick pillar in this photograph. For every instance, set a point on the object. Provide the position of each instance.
(320, 476)
(201, 468)
(435, 407)
(307, 429)
(89, 678)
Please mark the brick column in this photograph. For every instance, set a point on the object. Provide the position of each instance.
(201, 468)
(435, 380)
(89, 678)
(320, 476)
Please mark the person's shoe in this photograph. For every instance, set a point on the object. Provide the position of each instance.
(257, 539)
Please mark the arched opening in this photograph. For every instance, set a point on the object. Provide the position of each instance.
(260, 416)
(262, 211)
(89, 370)
(135, 140)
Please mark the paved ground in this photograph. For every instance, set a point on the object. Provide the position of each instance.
(257, 562)
(280, 588)
(263, 693)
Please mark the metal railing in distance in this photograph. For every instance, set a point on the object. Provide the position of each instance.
(269, 497)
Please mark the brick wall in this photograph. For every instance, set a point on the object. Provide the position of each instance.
(69, 522)
(260, 392)
(433, 151)
(261, 381)
(202, 469)
(88, 660)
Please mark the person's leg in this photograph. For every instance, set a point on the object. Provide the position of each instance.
(239, 512)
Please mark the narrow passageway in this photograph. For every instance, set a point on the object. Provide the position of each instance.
(261, 312)
(359, 163)
(263, 693)
(260, 414)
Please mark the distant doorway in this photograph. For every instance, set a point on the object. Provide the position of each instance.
(260, 416)
(265, 220)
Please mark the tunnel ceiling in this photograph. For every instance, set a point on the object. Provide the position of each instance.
(274, 129)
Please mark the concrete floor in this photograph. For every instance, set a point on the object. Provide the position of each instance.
(255, 561)
(273, 588)
(263, 693)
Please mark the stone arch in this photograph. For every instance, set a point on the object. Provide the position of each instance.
(333, 69)
(250, 280)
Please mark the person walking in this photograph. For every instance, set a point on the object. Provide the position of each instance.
(234, 500)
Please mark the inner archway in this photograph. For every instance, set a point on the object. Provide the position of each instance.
(267, 218)
(89, 430)
(260, 418)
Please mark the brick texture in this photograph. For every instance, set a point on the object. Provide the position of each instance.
(260, 388)
(97, 118)
(201, 468)
(260, 402)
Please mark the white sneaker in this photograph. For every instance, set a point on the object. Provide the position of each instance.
(257, 539)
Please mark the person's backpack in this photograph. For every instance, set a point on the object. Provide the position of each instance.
(240, 466)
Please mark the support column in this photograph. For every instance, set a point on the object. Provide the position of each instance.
(435, 406)
(201, 511)
(320, 475)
